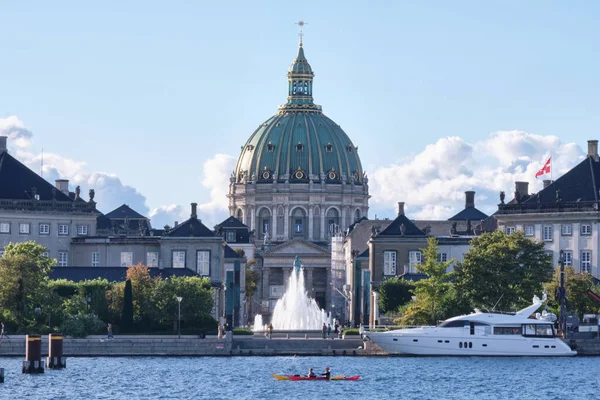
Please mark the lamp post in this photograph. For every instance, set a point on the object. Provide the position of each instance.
(562, 294)
(179, 298)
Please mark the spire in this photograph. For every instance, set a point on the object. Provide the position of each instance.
(300, 82)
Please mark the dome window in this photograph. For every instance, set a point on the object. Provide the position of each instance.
(270, 147)
(266, 174)
(349, 148)
(299, 174)
(249, 147)
(332, 175)
(299, 147)
(328, 148)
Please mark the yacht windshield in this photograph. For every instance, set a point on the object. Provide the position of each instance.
(541, 330)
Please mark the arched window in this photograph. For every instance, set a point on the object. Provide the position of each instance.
(299, 147)
(270, 147)
(328, 148)
(333, 221)
(264, 218)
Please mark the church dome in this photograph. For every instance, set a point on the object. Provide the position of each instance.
(299, 144)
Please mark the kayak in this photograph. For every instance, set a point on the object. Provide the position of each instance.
(318, 378)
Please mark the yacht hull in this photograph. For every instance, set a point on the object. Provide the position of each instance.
(434, 344)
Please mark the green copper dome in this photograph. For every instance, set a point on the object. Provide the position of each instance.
(299, 144)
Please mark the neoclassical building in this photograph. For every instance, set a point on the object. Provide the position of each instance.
(299, 175)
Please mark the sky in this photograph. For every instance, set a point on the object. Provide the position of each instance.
(149, 102)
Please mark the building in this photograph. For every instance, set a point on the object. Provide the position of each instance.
(298, 181)
(563, 215)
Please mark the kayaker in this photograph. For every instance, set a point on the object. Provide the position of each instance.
(327, 373)
(311, 374)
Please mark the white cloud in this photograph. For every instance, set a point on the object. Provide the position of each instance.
(111, 192)
(434, 181)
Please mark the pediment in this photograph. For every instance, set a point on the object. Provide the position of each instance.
(297, 247)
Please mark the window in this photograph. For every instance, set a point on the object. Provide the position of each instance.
(328, 148)
(230, 236)
(82, 230)
(63, 229)
(507, 330)
(46, 254)
(547, 233)
(95, 259)
(299, 147)
(152, 259)
(414, 259)
(126, 259)
(586, 261)
(443, 257)
(265, 226)
(24, 228)
(203, 262)
(568, 257)
(4, 227)
(63, 258)
(44, 229)
(179, 259)
(566, 229)
(349, 148)
(509, 229)
(586, 229)
(529, 230)
(389, 263)
(1, 253)
(270, 147)
(298, 226)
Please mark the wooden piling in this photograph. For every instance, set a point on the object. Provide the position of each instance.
(33, 363)
(55, 358)
(1, 375)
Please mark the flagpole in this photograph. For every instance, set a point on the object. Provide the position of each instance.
(551, 167)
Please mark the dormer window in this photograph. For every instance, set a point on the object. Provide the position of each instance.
(299, 147)
(349, 148)
(299, 174)
(332, 175)
(250, 147)
(328, 148)
(266, 174)
(270, 147)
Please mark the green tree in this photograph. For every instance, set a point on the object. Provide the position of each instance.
(127, 315)
(502, 270)
(142, 287)
(252, 279)
(577, 285)
(32, 251)
(394, 293)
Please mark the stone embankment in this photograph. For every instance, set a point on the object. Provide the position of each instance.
(585, 347)
(96, 346)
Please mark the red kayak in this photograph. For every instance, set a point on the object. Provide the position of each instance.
(318, 378)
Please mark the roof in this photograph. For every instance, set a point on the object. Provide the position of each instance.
(124, 211)
(359, 233)
(402, 226)
(232, 222)
(17, 181)
(231, 253)
(112, 274)
(191, 228)
(470, 214)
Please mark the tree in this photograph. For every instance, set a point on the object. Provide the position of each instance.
(142, 286)
(432, 292)
(502, 270)
(24, 284)
(394, 293)
(252, 279)
(577, 285)
(127, 315)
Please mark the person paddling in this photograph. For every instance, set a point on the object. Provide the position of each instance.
(327, 373)
(311, 374)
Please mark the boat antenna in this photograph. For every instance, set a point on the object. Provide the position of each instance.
(494, 308)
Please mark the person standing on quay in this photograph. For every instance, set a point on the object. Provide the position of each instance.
(2, 333)
(324, 331)
(110, 332)
(329, 331)
(270, 330)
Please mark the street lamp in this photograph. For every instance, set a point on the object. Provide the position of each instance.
(179, 298)
(562, 294)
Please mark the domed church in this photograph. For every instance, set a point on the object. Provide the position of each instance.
(299, 175)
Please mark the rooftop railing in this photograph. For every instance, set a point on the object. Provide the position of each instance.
(47, 205)
(561, 206)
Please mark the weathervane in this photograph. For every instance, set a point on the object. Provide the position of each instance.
(301, 24)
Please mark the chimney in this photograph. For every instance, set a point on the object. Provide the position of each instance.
(592, 149)
(522, 188)
(3, 143)
(175, 224)
(469, 199)
(63, 185)
(194, 215)
(400, 208)
(547, 182)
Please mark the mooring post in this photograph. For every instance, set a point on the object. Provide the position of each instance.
(33, 363)
(55, 358)
(1, 375)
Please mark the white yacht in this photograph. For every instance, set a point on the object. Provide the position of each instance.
(479, 334)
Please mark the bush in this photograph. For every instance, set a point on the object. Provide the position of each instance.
(351, 331)
(82, 325)
(242, 331)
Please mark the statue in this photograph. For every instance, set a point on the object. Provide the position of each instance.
(297, 265)
(92, 194)
(468, 226)
(502, 195)
(453, 228)
(77, 192)
(266, 238)
(402, 229)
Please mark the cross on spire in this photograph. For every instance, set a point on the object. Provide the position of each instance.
(301, 25)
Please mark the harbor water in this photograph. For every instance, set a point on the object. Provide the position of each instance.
(250, 378)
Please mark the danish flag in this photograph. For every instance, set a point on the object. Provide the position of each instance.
(545, 169)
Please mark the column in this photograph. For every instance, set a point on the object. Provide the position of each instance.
(344, 210)
(310, 223)
(265, 286)
(323, 232)
(253, 221)
(328, 289)
(286, 222)
(273, 232)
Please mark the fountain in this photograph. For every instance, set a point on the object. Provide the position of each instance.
(258, 323)
(295, 310)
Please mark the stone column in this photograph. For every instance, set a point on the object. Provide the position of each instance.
(323, 232)
(286, 222)
(344, 210)
(273, 232)
(265, 286)
(246, 219)
(310, 223)
(253, 221)
(328, 289)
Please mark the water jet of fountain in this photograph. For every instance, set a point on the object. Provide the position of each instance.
(258, 323)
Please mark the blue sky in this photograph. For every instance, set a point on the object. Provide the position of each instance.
(150, 92)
